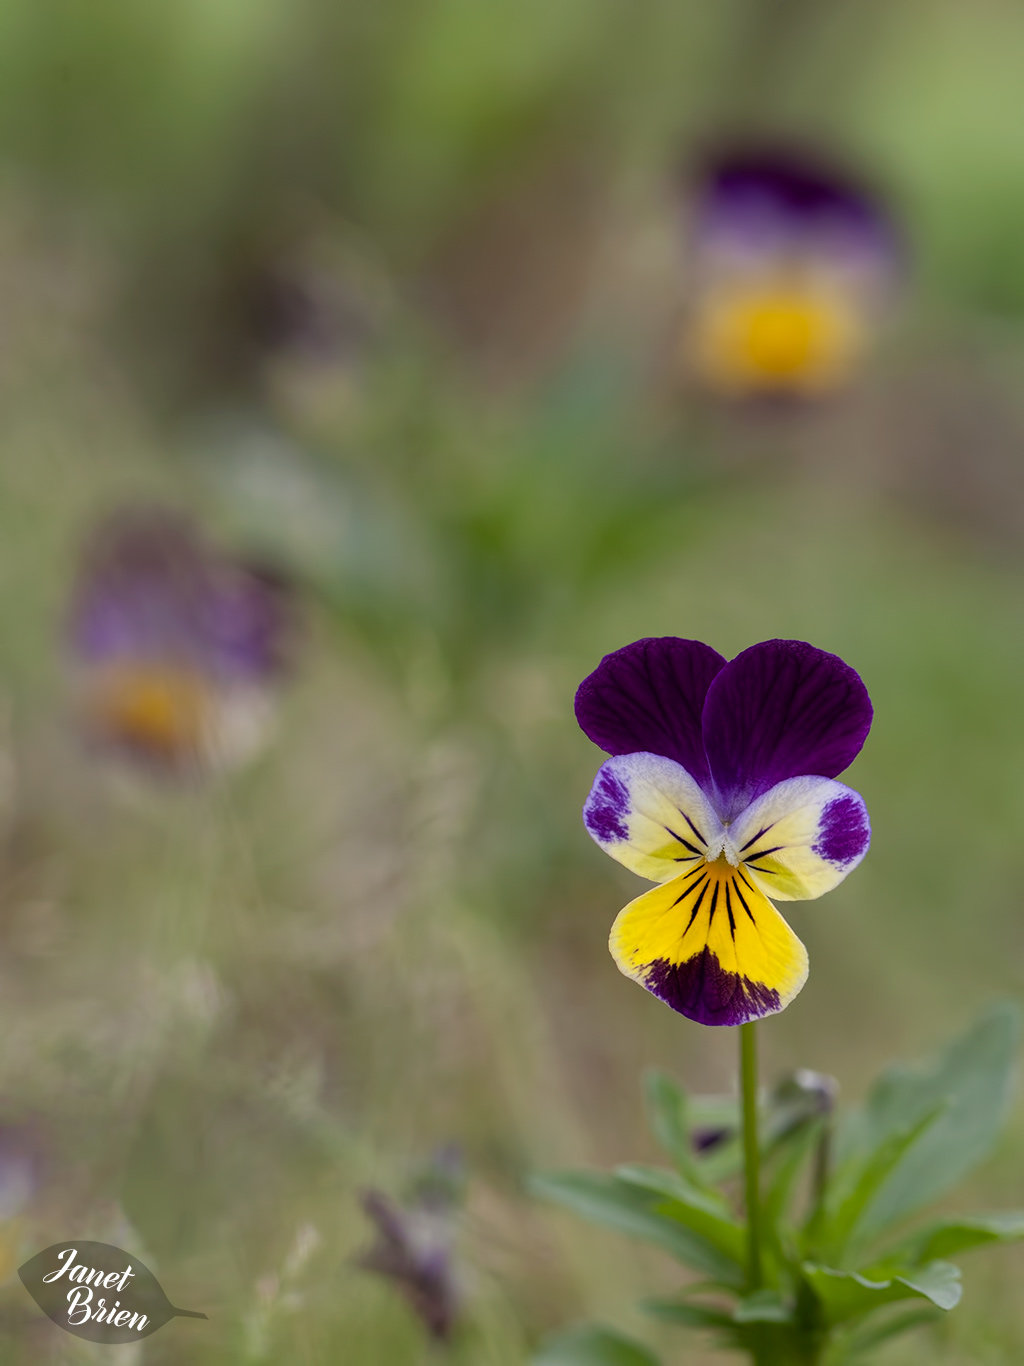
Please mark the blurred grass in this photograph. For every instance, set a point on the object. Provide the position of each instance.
(231, 1008)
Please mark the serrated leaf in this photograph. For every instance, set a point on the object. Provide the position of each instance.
(972, 1079)
(844, 1295)
(688, 1231)
(593, 1345)
(78, 1284)
(949, 1236)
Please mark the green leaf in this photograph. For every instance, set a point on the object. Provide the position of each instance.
(676, 1187)
(714, 1112)
(844, 1295)
(972, 1079)
(844, 1221)
(764, 1306)
(706, 1213)
(668, 1111)
(700, 1237)
(783, 1119)
(593, 1346)
(777, 1193)
(873, 1335)
(687, 1314)
(949, 1236)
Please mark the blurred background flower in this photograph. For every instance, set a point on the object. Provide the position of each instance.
(415, 1244)
(177, 650)
(792, 268)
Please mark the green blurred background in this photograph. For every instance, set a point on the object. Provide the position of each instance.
(227, 1009)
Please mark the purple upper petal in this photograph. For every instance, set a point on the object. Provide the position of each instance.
(790, 182)
(649, 696)
(780, 710)
(152, 589)
(248, 621)
(772, 196)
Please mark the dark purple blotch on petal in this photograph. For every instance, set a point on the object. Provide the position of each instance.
(649, 696)
(702, 990)
(607, 807)
(843, 832)
(781, 709)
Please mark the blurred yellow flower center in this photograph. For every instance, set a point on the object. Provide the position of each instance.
(793, 337)
(163, 709)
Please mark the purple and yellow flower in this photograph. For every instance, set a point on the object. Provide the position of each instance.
(722, 790)
(176, 648)
(792, 267)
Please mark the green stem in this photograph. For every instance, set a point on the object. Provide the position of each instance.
(751, 1153)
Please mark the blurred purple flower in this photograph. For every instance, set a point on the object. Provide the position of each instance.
(792, 266)
(414, 1247)
(177, 649)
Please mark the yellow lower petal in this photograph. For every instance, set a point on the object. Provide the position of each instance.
(787, 336)
(711, 946)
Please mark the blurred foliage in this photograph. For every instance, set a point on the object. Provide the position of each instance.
(228, 1009)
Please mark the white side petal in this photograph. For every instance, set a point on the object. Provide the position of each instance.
(801, 838)
(650, 814)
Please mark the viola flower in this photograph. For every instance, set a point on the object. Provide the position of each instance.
(792, 267)
(176, 648)
(721, 789)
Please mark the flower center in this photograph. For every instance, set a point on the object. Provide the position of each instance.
(775, 335)
(162, 709)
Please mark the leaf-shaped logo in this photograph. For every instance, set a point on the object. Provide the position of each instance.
(99, 1292)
